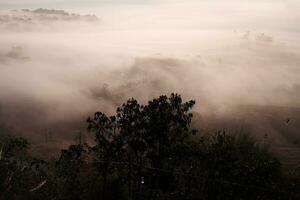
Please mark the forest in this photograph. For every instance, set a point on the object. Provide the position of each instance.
(147, 152)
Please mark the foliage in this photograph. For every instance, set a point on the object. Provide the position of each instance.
(148, 152)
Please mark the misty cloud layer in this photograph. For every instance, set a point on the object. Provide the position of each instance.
(57, 67)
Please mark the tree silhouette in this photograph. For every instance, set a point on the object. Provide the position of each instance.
(147, 152)
(140, 136)
(150, 150)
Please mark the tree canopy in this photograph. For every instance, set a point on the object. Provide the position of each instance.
(148, 152)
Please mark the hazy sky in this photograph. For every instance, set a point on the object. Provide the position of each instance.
(71, 3)
(220, 52)
(255, 14)
(79, 3)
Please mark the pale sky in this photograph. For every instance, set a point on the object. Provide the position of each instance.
(71, 3)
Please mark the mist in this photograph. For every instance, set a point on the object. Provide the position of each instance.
(57, 68)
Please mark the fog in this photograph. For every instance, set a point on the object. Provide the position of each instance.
(58, 68)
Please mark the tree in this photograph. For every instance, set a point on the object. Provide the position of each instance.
(68, 169)
(149, 149)
(235, 167)
(16, 177)
(147, 152)
(142, 138)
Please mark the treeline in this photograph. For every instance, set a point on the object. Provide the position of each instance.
(147, 152)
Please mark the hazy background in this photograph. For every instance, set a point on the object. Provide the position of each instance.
(238, 59)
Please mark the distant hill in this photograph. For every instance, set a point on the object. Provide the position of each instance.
(43, 14)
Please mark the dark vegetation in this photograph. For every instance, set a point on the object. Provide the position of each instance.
(147, 152)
